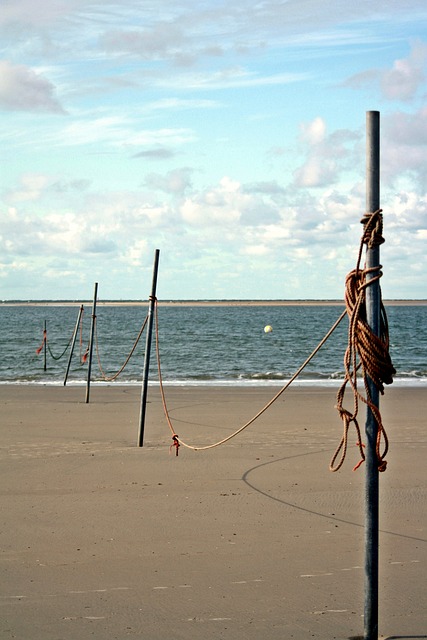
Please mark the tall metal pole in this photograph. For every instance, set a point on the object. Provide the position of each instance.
(73, 342)
(373, 310)
(92, 331)
(148, 351)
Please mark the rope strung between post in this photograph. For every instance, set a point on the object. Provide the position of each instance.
(116, 375)
(52, 355)
(365, 350)
(178, 441)
(62, 354)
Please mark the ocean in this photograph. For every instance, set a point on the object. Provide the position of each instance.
(199, 345)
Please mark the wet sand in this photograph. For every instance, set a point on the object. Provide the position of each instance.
(250, 540)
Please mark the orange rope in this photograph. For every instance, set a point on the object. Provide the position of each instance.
(38, 351)
(247, 424)
(365, 351)
(176, 442)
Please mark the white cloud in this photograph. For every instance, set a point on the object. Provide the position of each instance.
(136, 254)
(228, 78)
(316, 172)
(157, 153)
(176, 181)
(402, 81)
(120, 132)
(15, 12)
(326, 155)
(179, 104)
(209, 231)
(30, 189)
(255, 250)
(21, 89)
(404, 148)
(314, 132)
(159, 41)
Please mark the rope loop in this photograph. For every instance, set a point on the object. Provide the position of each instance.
(347, 419)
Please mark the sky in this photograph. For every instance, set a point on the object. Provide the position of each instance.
(230, 136)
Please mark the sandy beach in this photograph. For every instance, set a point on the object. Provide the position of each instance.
(254, 539)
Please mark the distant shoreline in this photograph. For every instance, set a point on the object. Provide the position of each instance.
(200, 303)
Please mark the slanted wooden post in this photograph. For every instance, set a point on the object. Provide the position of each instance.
(373, 311)
(92, 332)
(73, 342)
(148, 351)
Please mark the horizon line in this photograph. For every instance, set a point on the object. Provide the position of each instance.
(254, 301)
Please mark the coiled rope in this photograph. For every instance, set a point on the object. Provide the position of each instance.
(365, 350)
(116, 375)
(177, 441)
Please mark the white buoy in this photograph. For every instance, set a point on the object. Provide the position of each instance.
(268, 329)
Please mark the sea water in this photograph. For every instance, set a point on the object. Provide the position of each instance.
(203, 345)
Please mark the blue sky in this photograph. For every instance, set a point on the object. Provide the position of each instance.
(230, 136)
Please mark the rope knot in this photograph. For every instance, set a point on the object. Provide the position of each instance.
(175, 444)
(382, 466)
(373, 229)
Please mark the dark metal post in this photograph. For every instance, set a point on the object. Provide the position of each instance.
(73, 342)
(147, 352)
(45, 347)
(92, 331)
(373, 310)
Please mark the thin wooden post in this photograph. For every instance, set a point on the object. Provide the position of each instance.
(92, 332)
(45, 347)
(144, 392)
(73, 342)
(373, 310)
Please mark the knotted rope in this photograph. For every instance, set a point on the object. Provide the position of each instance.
(365, 350)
